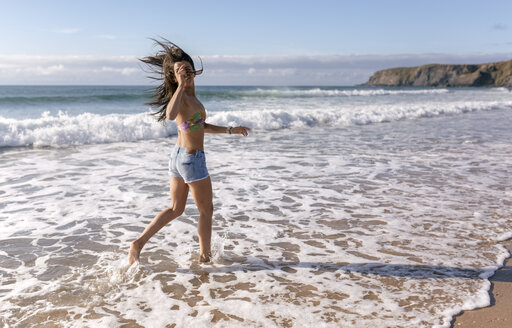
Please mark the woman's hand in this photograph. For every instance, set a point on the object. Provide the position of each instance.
(240, 130)
(183, 73)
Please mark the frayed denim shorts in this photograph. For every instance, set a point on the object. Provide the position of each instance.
(190, 167)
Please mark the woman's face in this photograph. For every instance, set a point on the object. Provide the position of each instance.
(185, 66)
(183, 72)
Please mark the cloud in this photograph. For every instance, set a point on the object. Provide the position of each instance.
(320, 70)
(500, 27)
(223, 70)
(49, 70)
(23, 69)
(121, 70)
(66, 30)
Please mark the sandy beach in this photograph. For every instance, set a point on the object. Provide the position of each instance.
(498, 314)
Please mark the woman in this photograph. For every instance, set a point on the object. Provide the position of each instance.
(187, 167)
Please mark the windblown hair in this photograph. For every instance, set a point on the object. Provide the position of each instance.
(162, 65)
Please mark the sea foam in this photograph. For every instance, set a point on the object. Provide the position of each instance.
(88, 128)
(328, 92)
(392, 223)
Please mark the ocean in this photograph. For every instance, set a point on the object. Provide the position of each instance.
(344, 207)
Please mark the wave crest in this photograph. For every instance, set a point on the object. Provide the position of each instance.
(315, 92)
(88, 128)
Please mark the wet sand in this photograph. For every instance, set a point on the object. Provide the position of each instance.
(498, 314)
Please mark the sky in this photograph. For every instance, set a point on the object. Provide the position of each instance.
(262, 42)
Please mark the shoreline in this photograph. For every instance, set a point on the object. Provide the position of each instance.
(497, 314)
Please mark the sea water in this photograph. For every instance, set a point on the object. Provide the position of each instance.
(345, 206)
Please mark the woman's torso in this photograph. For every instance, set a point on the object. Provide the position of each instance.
(191, 138)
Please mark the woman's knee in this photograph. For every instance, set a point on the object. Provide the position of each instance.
(206, 210)
(177, 209)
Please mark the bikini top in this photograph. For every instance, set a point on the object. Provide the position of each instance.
(194, 123)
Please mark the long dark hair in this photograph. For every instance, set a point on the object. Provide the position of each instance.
(162, 65)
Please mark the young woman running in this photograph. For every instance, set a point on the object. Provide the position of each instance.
(187, 166)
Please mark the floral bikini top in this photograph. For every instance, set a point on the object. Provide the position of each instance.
(194, 123)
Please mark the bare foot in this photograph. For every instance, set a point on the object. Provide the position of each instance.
(205, 258)
(133, 256)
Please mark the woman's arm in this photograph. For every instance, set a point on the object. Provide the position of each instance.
(210, 128)
(173, 107)
(184, 79)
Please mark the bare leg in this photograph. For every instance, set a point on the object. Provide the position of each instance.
(179, 193)
(202, 192)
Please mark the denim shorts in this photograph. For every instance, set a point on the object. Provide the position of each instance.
(190, 167)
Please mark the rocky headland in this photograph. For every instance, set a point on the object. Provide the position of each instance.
(436, 75)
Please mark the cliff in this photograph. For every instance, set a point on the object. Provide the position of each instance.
(484, 75)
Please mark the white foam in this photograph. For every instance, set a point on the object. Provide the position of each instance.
(63, 130)
(86, 128)
(322, 92)
(346, 116)
(365, 220)
(502, 89)
(504, 236)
